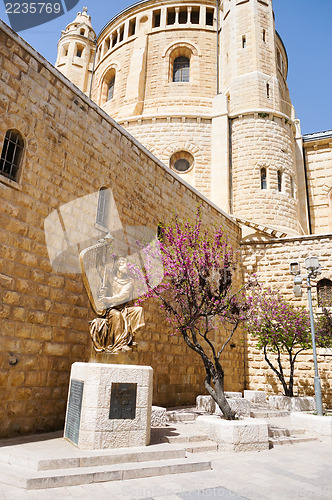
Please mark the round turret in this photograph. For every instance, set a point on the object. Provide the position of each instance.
(204, 89)
(76, 50)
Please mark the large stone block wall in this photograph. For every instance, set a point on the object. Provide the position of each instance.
(318, 155)
(270, 262)
(164, 137)
(260, 141)
(73, 148)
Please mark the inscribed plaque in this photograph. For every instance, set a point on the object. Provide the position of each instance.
(123, 401)
(72, 428)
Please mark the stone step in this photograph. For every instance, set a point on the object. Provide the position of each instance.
(177, 416)
(201, 447)
(183, 438)
(288, 440)
(283, 431)
(266, 413)
(31, 459)
(32, 480)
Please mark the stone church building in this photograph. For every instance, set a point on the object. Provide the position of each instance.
(172, 105)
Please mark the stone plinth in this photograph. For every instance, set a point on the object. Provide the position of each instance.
(255, 396)
(109, 406)
(305, 403)
(158, 416)
(233, 395)
(205, 403)
(240, 406)
(235, 435)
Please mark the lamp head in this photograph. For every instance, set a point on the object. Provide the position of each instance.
(312, 264)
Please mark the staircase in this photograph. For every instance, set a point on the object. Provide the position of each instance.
(279, 426)
(55, 463)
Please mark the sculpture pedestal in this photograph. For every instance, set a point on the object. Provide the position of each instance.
(109, 406)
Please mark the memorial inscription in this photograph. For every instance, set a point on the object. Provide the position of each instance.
(123, 401)
(72, 427)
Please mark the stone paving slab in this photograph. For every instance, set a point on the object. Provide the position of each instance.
(298, 472)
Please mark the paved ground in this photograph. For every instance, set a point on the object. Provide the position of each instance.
(301, 471)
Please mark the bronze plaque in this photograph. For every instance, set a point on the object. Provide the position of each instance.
(123, 401)
(72, 428)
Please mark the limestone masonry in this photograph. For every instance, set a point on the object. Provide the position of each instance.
(172, 105)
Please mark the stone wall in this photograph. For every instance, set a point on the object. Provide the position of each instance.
(72, 149)
(165, 136)
(270, 262)
(318, 155)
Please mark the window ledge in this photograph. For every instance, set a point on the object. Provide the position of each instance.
(10, 182)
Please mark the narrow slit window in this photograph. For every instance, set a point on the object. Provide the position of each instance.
(170, 16)
(102, 208)
(194, 15)
(209, 17)
(156, 18)
(181, 67)
(244, 41)
(268, 90)
(132, 27)
(279, 181)
(278, 58)
(183, 16)
(263, 178)
(264, 36)
(110, 90)
(292, 186)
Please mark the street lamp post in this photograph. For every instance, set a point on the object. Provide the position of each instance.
(313, 267)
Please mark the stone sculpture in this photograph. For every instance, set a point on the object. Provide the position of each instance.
(118, 318)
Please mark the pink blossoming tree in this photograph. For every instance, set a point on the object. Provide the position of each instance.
(198, 296)
(279, 327)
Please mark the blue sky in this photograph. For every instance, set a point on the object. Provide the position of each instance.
(304, 26)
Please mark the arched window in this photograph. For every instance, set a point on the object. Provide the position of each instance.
(102, 208)
(110, 92)
(324, 293)
(263, 178)
(279, 180)
(181, 68)
(12, 154)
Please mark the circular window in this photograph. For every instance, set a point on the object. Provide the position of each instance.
(182, 165)
(182, 162)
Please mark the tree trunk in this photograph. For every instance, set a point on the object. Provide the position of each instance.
(217, 393)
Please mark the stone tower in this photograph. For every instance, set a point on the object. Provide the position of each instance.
(204, 89)
(265, 169)
(76, 50)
